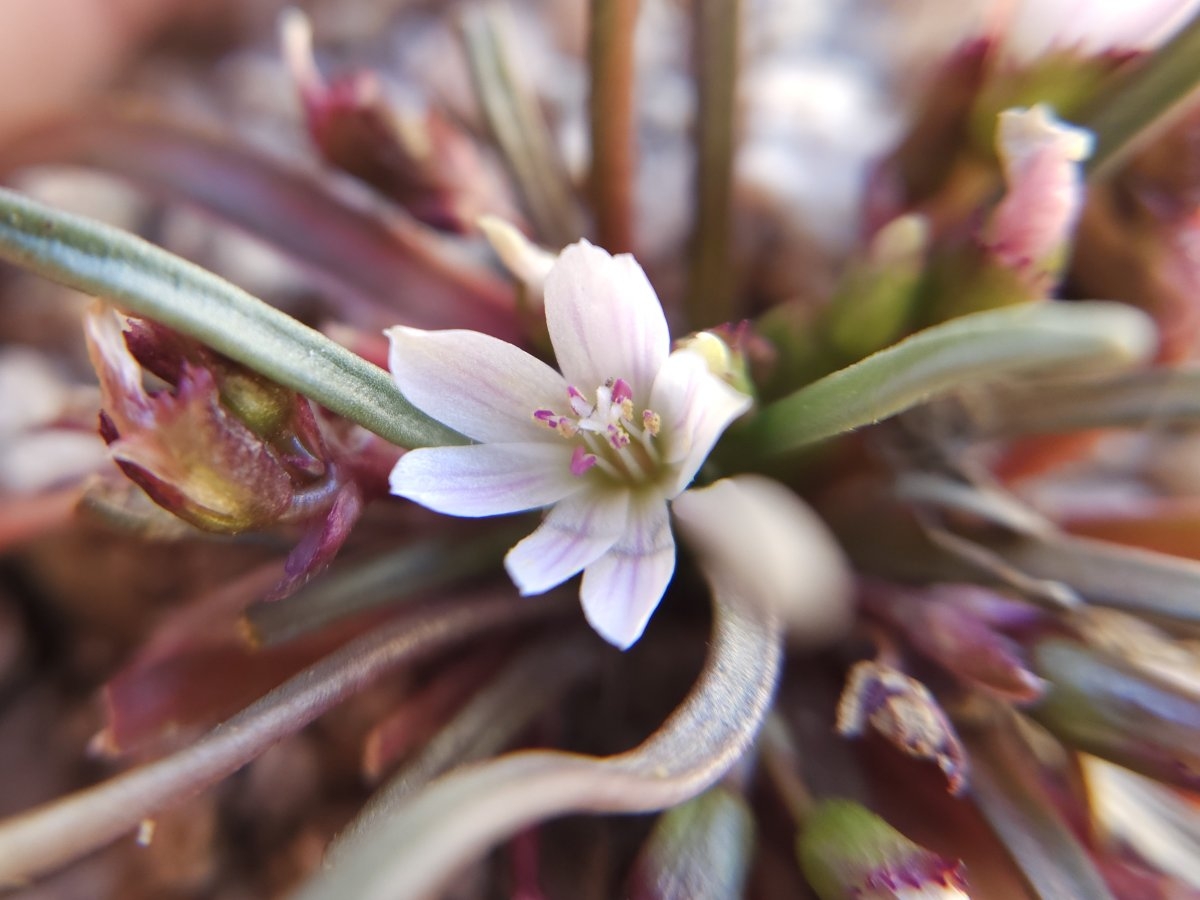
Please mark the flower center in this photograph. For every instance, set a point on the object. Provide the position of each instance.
(607, 434)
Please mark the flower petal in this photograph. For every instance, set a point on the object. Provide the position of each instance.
(605, 320)
(696, 407)
(762, 542)
(475, 383)
(622, 588)
(486, 479)
(578, 531)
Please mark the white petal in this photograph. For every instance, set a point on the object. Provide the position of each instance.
(475, 383)
(622, 588)
(756, 539)
(605, 320)
(575, 534)
(696, 407)
(486, 479)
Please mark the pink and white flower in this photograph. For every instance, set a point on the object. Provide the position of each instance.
(606, 444)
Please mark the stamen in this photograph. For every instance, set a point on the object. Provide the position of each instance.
(621, 391)
(607, 435)
(581, 460)
(579, 404)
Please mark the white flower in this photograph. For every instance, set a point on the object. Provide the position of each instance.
(608, 443)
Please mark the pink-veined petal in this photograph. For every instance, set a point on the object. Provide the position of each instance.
(622, 588)
(696, 407)
(575, 534)
(486, 479)
(605, 320)
(477, 384)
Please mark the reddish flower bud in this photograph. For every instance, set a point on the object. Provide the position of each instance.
(849, 853)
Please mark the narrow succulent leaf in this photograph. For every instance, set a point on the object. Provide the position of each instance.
(1139, 104)
(148, 281)
(49, 836)
(356, 587)
(1033, 339)
(385, 266)
(1007, 790)
(1133, 400)
(700, 850)
(984, 561)
(1127, 578)
(487, 723)
(1099, 704)
(991, 504)
(519, 129)
(416, 847)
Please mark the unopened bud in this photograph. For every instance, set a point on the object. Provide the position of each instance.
(849, 853)
(905, 713)
(700, 850)
(1030, 231)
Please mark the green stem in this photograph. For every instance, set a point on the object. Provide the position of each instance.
(711, 283)
(1144, 101)
(146, 280)
(610, 108)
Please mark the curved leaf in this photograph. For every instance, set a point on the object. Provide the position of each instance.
(410, 852)
(148, 281)
(1040, 338)
(42, 839)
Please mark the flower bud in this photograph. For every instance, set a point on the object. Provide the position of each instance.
(905, 713)
(183, 447)
(1029, 232)
(700, 849)
(849, 853)
(874, 302)
(221, 447)
(417, 157)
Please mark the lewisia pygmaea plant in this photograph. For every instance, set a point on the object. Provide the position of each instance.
(776, 431)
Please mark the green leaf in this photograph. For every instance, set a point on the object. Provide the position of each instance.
(1037, 338)
(1151, 96)
(146, 280)
(411, 849)
(1009, 790)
